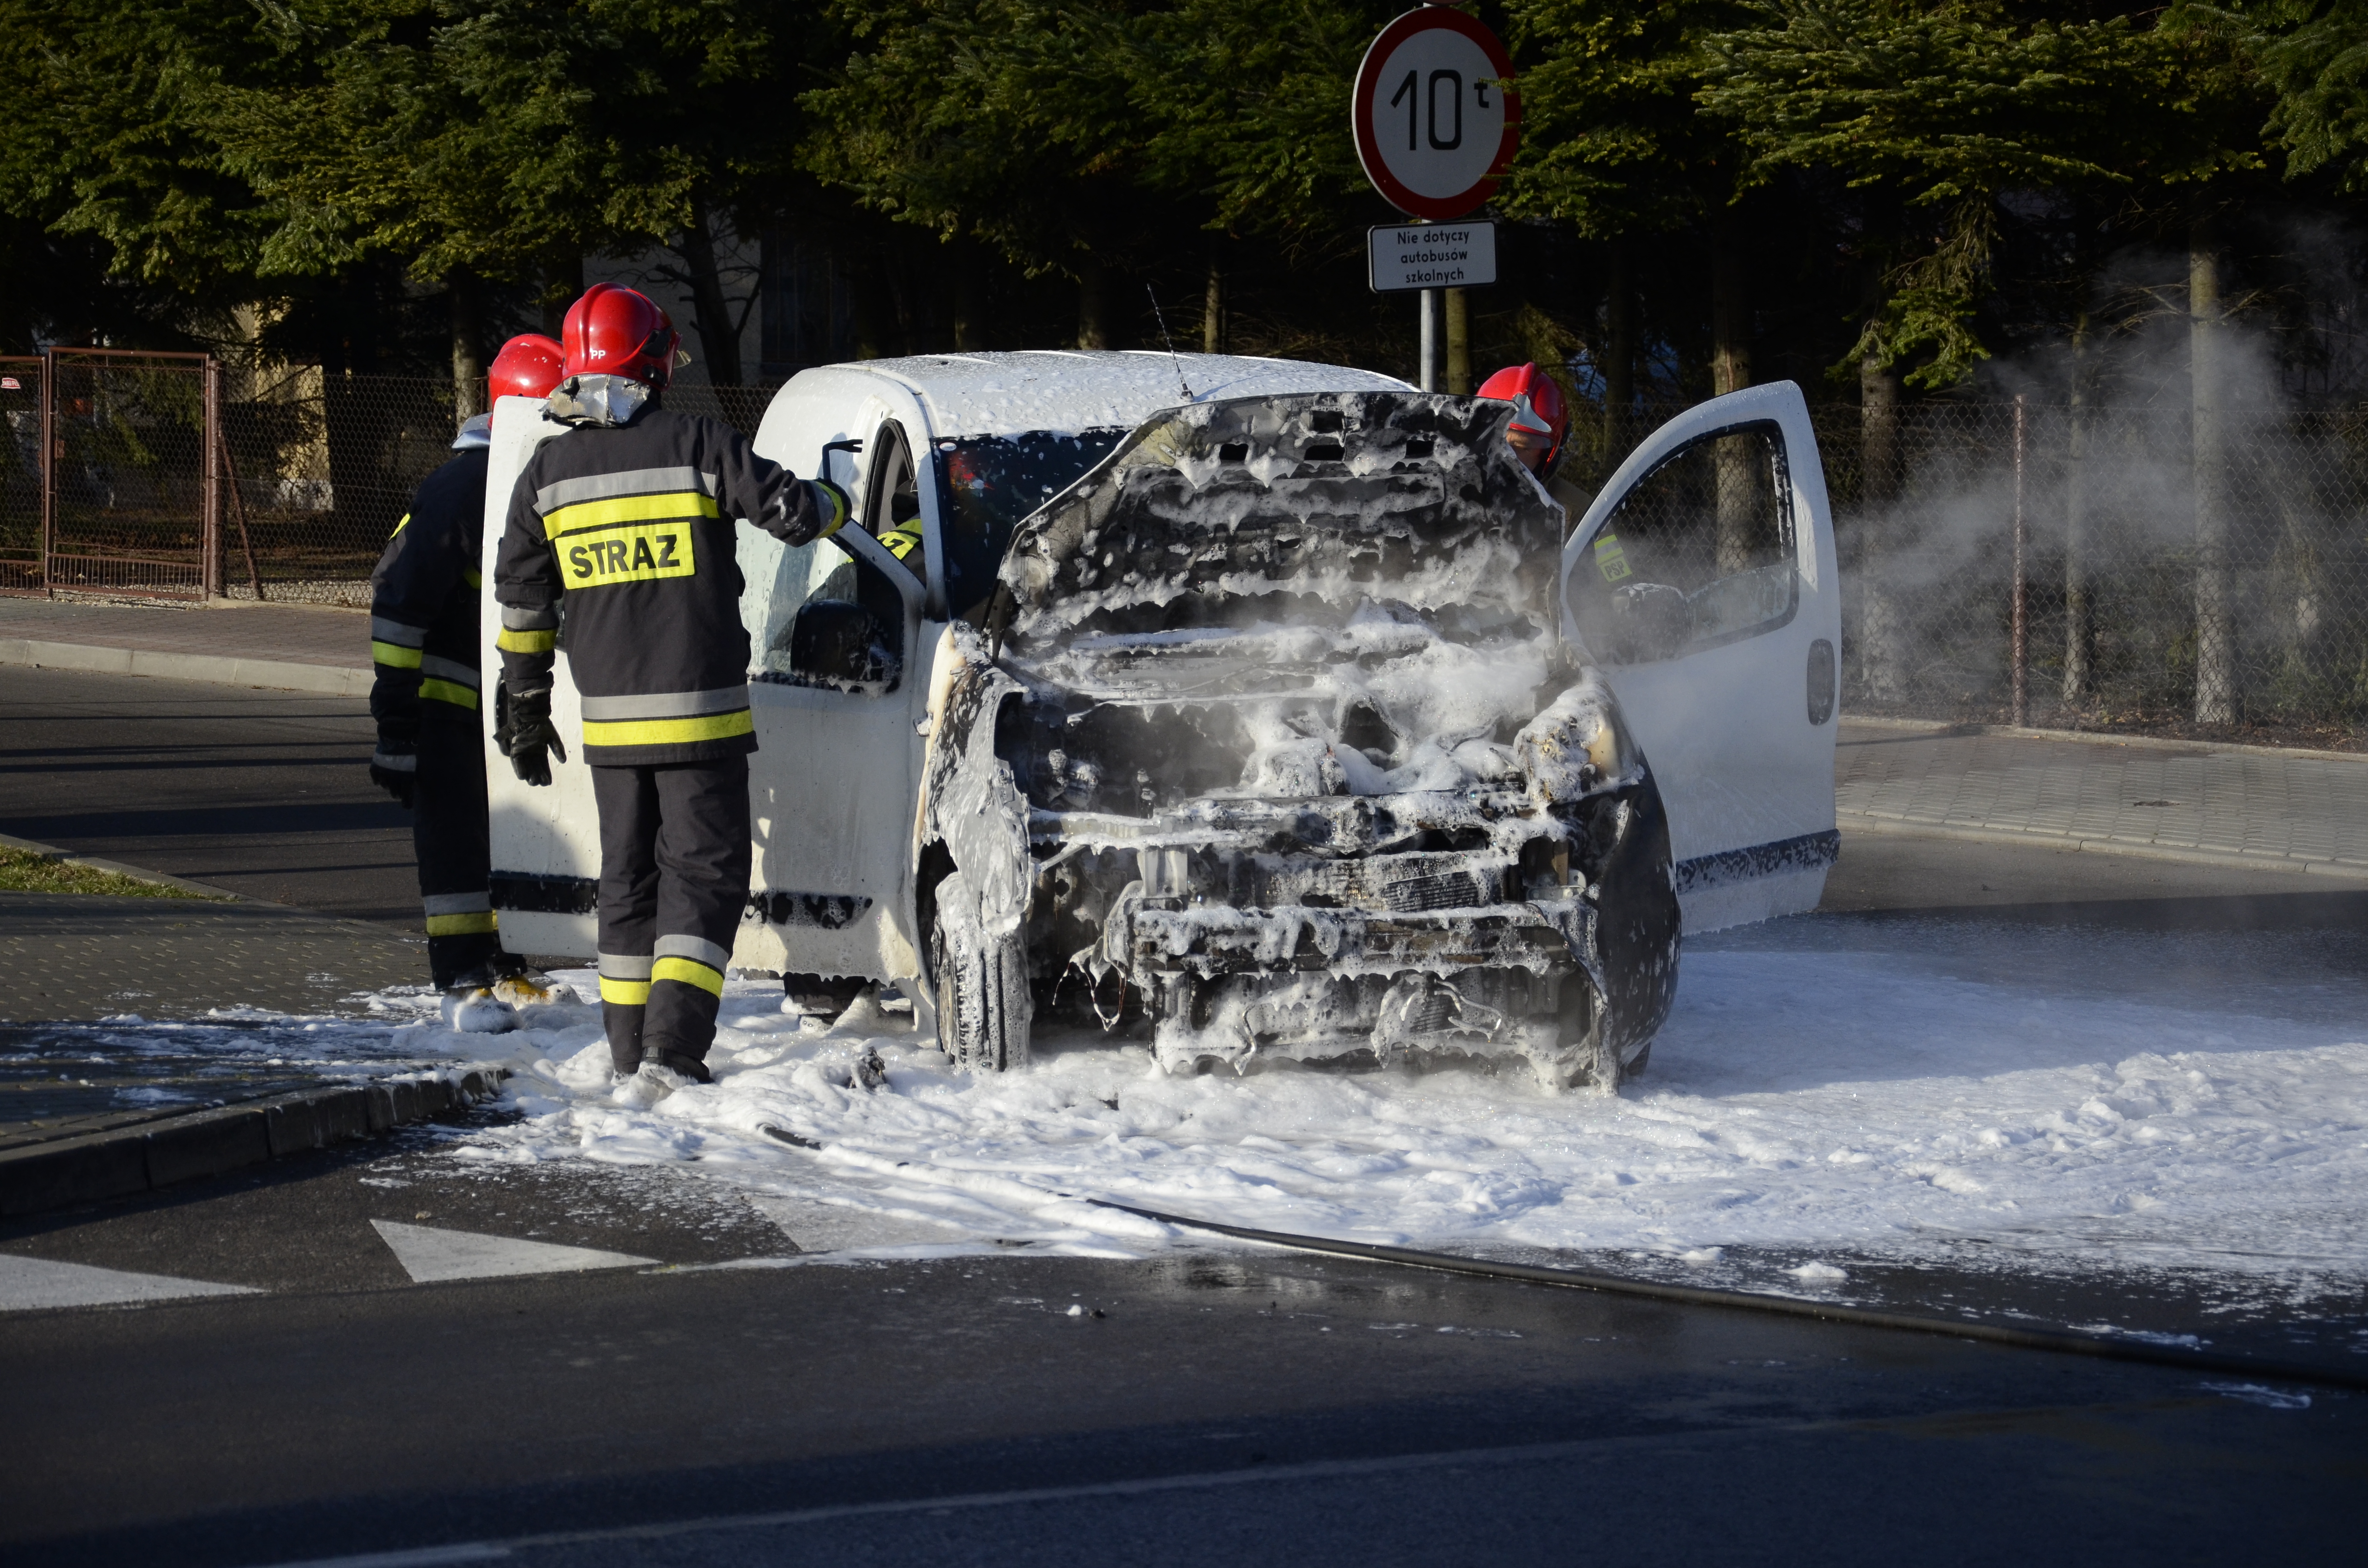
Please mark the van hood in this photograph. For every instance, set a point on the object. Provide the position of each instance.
(1289, 596)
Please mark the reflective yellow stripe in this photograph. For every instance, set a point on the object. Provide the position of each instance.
(460, 925)
(473, 577)
(453, 692)
(669, 732)
(395, 656)
(589, 515)
(626, 993)
(398, 527)
(525, 641)
(690, 971)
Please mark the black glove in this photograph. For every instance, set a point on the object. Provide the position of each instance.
(395, 766)
(522, 728)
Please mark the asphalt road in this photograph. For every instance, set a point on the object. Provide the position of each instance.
(266, 793)
(1236, 1407)
(1251, 1408)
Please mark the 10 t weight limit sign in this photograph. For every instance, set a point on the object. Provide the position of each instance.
(1436, 124)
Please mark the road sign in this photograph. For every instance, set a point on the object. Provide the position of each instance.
(1435, 127)
(1401, 256)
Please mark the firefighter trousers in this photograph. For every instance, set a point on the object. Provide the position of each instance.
(449, 838)
(674, 879)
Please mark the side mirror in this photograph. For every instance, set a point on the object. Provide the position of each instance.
(1647, 622)
(834, 642)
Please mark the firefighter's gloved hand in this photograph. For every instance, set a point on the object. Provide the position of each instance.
(394, 765)
(522, 728)
(398, 782)
(834, 505)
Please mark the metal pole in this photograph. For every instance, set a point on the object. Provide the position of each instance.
(49, 467)
(1430, 344)
(238, 511)
(2021, 585)
(209, 533)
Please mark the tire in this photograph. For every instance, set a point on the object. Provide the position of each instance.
(984, 1007)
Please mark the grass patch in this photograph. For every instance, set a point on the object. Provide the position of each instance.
(21, 870)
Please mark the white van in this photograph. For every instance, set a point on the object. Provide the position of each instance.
(1259, 708)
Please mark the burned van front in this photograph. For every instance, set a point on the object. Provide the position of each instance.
(1292, 762)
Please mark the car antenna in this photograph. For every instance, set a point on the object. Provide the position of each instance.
(1161, 316)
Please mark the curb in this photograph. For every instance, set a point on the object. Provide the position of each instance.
(66, 1169)
(117, 869)
(218, 669)
(1946, 729)
(1856, 821)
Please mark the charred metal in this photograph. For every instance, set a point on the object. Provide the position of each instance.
(1271, 732)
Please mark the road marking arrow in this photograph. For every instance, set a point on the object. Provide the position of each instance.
(430, 1255)
(29, 1284)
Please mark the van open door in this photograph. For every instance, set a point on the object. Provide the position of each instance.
(1702, 583)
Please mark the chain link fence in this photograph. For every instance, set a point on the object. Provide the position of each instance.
(2124, 615)
(2131, 602)
(324, 466)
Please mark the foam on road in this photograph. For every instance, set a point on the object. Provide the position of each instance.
(2053, 1100)
(1869, 1103)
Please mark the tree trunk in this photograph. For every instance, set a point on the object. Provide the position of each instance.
(719, 337)
(1730, 370)
(2217, 700)
(2079, 608)
(468, 345)
(1619, 365)
(1459, 343)
(563, 286)
(1883, 619)
(1213, 335)
(1093, 305)
(869, 303)
(969, 310)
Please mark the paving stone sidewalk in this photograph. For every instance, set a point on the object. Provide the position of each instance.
(2302, 813)
(289, 646)
(67, 956)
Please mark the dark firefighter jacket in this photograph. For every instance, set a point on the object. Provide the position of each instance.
(424, 595)
(632, 524)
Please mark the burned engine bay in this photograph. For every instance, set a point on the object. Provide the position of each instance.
(1276, 750)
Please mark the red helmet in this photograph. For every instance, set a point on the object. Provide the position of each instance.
(618, 332)
(528, 366)
(1537, 405)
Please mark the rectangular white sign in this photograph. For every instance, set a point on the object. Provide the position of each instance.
(1400, 257)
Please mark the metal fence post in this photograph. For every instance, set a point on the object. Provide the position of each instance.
(2022, 582)
(49, 465)
(209, 584)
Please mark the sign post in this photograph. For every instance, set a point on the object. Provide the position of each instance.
(1437, 123)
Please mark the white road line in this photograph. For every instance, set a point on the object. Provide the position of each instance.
(430, 1255)
(29, 1284)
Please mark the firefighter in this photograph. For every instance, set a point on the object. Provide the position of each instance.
(1539, 431)
(431, 750)
(626, 518)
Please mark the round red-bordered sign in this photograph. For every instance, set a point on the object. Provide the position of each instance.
(1427, 111)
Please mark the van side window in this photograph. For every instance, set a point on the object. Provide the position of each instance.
(837, 621)
(1699, 553)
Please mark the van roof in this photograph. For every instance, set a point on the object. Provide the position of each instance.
(1084, 388)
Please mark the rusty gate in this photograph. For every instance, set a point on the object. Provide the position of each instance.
(113, 482)
(23, 486)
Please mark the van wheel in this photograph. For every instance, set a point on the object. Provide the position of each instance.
(981, 984)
